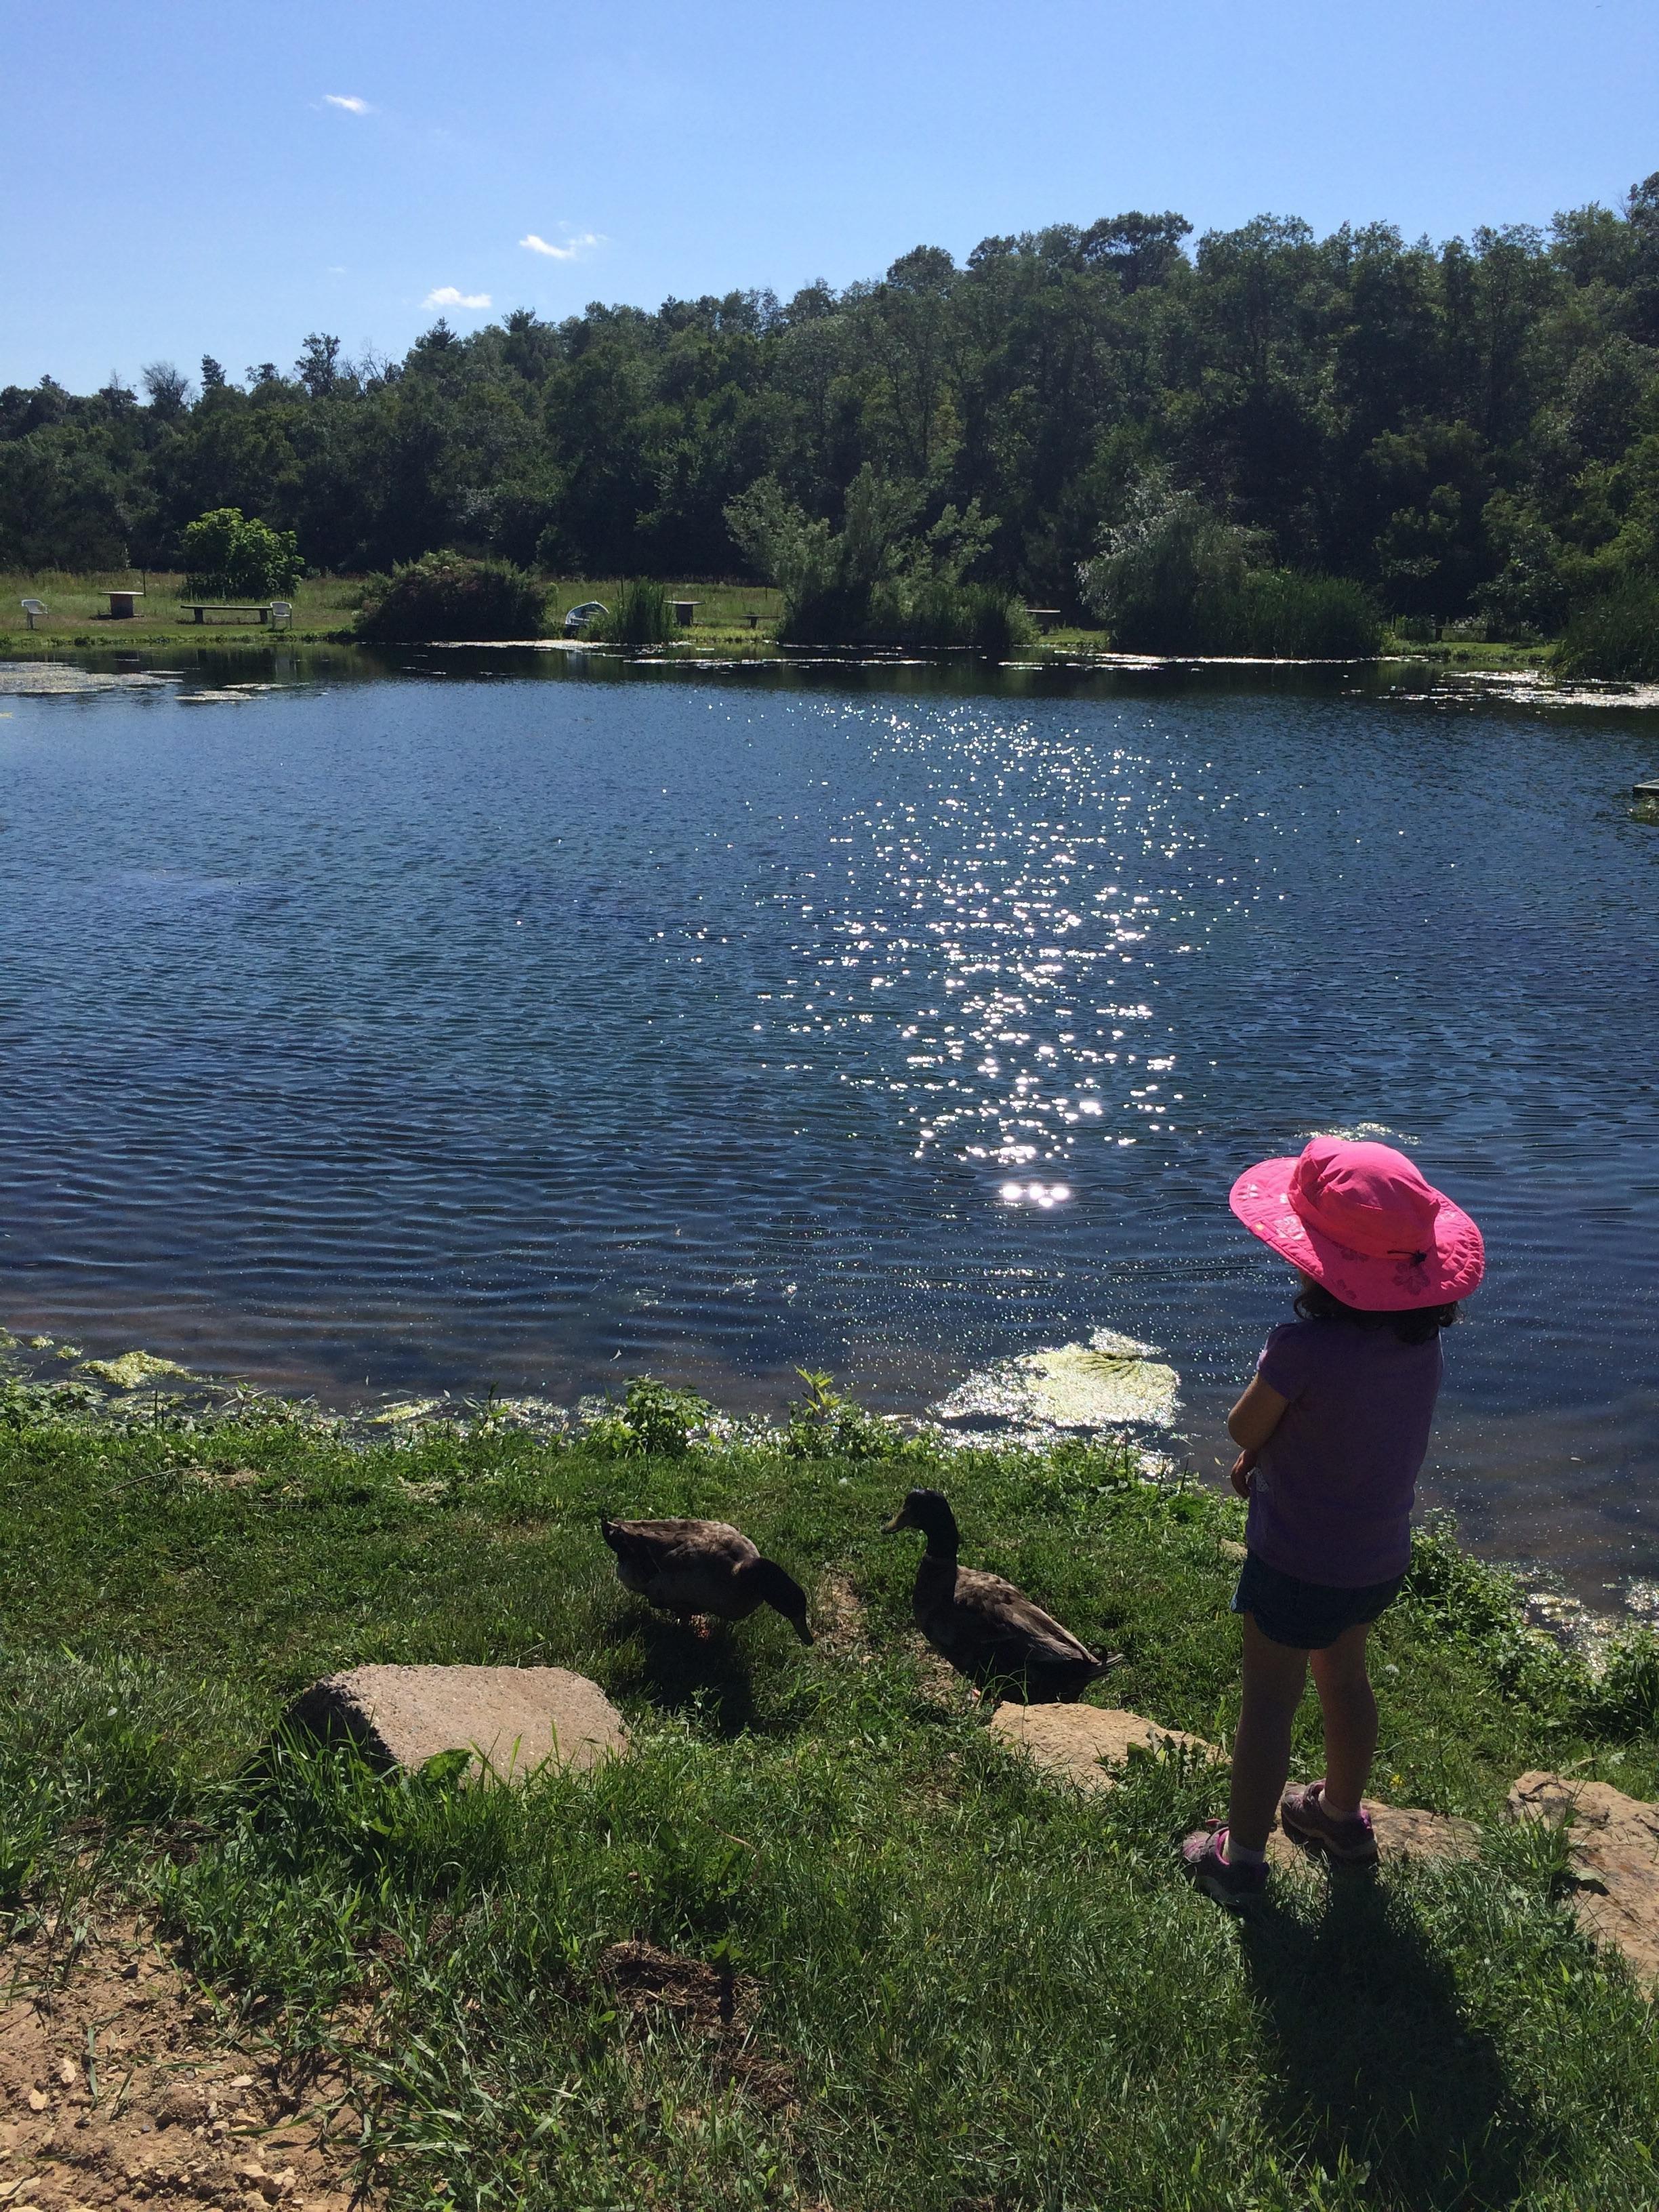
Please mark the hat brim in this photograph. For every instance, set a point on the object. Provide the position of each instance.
(1452, 1269)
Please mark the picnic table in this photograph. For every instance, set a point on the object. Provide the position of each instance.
(203, 607)
(684, 611)
(123, 605)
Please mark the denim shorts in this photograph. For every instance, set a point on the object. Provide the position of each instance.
(1307, 1616)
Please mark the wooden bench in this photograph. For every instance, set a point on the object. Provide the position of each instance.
(203, 607)
(1048, 616)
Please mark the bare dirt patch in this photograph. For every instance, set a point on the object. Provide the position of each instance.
(708, 2003)
(122, 2084)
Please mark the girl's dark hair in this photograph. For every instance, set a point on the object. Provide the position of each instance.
(1415, 1326)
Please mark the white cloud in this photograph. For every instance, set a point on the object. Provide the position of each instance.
(349, 101)
(448, 296)
(574, 244)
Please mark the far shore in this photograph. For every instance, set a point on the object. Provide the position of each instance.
(79, 621)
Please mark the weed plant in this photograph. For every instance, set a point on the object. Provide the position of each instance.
(971, 1990)
(643, 614)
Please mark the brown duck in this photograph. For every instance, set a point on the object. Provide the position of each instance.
(989, 1631)
(706, 1567)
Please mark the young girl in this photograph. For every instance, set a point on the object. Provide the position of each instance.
(1333, 1431)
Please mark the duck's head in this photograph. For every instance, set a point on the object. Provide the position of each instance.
(780, 1590)
(930, 1511)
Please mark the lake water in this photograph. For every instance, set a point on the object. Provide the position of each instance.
(496, 1023)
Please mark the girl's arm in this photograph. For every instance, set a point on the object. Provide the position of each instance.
(1256, 1415)
(1251, 1422)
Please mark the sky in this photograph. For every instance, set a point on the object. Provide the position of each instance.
(194, 179)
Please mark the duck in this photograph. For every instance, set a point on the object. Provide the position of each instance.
(702, 1567)
(988, 1630)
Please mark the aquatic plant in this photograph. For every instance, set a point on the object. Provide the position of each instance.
(643, 615)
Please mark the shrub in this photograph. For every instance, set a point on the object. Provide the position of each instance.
(642, 615)
(1296, 617)
(1615, 635)
(448, 595)
(931, 615)
(229, 552)
(1176, 578)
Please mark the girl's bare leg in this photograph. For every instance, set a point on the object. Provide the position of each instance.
(1350, 1714)
(1274, 1678)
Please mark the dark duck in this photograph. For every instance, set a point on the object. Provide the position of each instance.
(703, 1568)
(989, 1631)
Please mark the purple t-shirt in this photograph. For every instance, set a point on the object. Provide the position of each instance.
(1332, 1498)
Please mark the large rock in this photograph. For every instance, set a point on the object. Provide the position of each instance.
(512, 1719)
(1080, 1744)
(1614, 1844)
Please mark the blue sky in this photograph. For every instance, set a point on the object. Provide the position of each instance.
(196, 178)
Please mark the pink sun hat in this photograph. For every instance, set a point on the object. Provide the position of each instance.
(1362, 1221)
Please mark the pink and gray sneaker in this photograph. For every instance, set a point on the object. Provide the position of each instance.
(1204, 1855)
(1345, 1843)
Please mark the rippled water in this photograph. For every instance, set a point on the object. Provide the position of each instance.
(527, 1028)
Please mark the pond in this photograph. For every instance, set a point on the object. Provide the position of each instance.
(522, 1022)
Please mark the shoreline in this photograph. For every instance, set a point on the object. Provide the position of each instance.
(142, 1393)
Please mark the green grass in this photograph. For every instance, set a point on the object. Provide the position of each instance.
(973, 1990)
(79, 615)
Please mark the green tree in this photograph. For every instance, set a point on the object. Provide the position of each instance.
(227, 551)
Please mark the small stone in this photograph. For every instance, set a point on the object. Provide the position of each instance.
(512, 1719)
(68, 2072)
(39, 2101)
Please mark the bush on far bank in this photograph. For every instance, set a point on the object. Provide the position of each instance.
(1614, 635)
(449, 595)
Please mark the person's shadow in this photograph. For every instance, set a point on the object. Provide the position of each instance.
(1375, 2059)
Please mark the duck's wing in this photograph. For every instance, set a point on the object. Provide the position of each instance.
(685, 1566)
(987, 1627)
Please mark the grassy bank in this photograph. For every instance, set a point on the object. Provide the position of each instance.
(954, 1987)
(325, 609)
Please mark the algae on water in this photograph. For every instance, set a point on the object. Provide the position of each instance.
(130, 1369)
(1111, 1380)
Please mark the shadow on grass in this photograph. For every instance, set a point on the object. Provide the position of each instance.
(1376, 2060)
(681, 1669)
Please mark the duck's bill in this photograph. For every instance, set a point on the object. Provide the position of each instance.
(900, 1520)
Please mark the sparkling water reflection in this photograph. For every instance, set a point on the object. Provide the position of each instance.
(531, 1030)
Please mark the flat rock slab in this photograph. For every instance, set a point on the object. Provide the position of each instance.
(1083, 1745)
(1615, 1859)
(1080, 1744)
(1402, 1832)
(512, 1719)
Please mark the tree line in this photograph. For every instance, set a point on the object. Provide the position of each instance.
(1471, 427)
